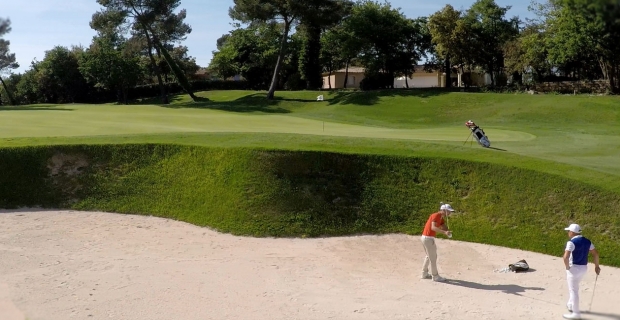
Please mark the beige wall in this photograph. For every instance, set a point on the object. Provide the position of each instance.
(337, 80)
(419, 80)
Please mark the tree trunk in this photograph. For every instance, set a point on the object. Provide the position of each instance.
(119, 95)
(406, 81)
(274, 80)
(8, 92)
(603, 66)
(181, 78)
(448, 73)
(124, 92)
(346, 73)
(310, 65)
(162, 88)
(329, 79)
(613, 79)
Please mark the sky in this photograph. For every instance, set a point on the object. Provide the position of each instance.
(40, 25)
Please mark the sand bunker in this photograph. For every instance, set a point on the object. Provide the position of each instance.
(89, 265)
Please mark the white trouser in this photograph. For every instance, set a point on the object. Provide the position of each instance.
(431, 255)
(573, 277)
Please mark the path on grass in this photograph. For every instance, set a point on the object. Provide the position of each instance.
(83, 120)
(77, 265)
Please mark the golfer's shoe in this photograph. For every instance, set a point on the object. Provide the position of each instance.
(439, 279)
(572, 316)
(426, 276)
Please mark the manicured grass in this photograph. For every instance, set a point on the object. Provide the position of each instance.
(382, 162)
(582, 133)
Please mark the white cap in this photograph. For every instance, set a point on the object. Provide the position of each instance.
(446, 207)
(574, 228)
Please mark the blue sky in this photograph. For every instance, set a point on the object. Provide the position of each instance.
(40, 25)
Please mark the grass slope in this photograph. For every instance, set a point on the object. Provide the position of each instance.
(574, 136)
(281, 193)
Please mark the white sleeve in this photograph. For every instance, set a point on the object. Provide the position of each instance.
(591, 246)
(570, 246)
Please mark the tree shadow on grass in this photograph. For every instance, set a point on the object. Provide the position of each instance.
(368, 98)
(33, 108)
(256, 102)
(505, 288)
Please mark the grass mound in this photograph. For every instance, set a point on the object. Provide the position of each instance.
(308, 194)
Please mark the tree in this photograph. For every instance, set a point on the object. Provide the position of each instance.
(7, 59)
(331, 57)
(321, 15)
(58, 77)
(415, 45)
(28, 89)
(349, 43)
(376, 31)
(492, 31)
(251, 52)
(528, 53)
(585, 30)
(187, 63)
(155, 21)
(443, 28)
(106, 67)
(310, 56)
(287, 12)
(8, 92)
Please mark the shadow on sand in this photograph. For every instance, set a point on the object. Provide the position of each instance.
(505, 288)
(599, 314)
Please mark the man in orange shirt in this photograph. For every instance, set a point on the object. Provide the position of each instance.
(434, 224)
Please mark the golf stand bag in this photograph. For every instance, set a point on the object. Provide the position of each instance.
(478, 133)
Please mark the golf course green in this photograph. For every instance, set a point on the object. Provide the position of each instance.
(358, 162)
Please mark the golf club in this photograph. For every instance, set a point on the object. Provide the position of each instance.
(590, 308)
(447, 222)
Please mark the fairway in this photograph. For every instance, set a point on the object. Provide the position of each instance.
(582, 133)
(86, 120)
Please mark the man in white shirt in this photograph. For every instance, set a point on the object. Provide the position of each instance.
(576, 262)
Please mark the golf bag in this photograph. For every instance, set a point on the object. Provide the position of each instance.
(520, 266)
(478, 133)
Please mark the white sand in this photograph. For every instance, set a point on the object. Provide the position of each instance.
(78, 265)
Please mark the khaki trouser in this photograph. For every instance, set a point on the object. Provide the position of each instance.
(431, 255)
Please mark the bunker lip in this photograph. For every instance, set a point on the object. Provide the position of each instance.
(63, 264)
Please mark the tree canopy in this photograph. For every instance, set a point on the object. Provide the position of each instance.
(7, 59)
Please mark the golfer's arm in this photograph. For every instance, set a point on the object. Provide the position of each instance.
(595, 256)
(566, 259)
(436, 229)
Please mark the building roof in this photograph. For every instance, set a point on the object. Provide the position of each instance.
(351, 70)
(418, 68)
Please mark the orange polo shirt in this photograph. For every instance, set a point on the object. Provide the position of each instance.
(438, 223)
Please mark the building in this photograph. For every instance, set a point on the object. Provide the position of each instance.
(419, 79)
(424, 79)
(336, 78)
